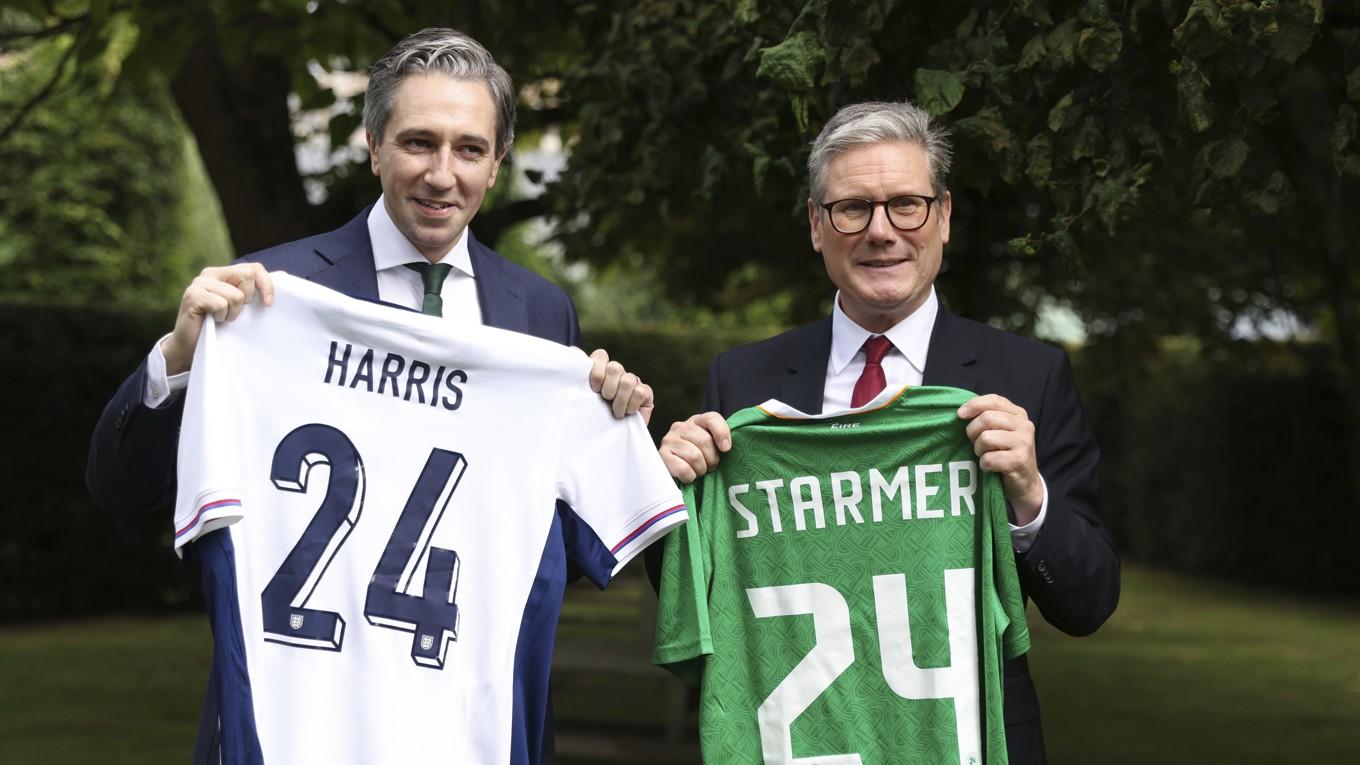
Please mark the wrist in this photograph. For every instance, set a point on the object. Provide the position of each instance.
(176, 360)
(1028, 505)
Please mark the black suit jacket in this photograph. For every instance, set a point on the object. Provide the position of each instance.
(1072, 571)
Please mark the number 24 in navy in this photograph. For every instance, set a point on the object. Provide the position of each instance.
(431, 617)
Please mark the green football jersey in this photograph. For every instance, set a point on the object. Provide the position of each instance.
(845, 592)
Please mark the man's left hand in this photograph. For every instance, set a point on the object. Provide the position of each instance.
(1003, 438)
(620, 387)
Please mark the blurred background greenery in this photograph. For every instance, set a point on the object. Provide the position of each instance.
(1167, 187)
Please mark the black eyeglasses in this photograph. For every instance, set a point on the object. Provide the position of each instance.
(906, 213)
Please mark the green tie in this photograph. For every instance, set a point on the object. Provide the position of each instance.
(433, 275)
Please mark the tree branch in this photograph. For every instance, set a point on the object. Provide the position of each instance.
(43, 33)
(38, 97)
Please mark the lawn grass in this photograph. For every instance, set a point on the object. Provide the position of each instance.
(1198, 672)
(1186, 672)
(106, 691)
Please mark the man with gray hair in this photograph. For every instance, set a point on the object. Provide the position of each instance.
(879, 214)
(439, 118)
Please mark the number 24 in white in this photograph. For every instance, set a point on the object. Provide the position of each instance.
(833, 653)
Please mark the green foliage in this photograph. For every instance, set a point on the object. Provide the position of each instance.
(1168, 144)
(1244, 439)
(938, 92)
(1084, 127)
(675, 171)
(254, 56)
(63, 363)
(90, 192)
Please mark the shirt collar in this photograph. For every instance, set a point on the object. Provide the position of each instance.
(391, 248)
(910, 336)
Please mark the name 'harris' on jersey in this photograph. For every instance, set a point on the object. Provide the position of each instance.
(845, 592)
(373, 498)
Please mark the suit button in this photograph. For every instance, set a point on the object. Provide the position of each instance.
(1044, 573)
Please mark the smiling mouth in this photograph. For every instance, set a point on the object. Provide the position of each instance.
(885, 262)
(434, 206)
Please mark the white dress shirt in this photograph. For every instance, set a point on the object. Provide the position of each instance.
(402, 286)
(904, 364)
(397, 285)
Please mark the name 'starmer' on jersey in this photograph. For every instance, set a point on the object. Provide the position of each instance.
(910, 491)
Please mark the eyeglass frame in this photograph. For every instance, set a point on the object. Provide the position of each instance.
(875, 204)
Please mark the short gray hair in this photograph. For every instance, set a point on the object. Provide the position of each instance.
(448, 51)
(874, 122)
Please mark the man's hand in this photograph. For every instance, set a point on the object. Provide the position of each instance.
(620, 387)
(217, 292)
(691, 448)
(1003, 438)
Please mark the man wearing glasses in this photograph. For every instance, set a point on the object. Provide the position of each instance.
(879, 215)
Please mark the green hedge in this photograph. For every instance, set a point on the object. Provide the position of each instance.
(673, 361)
(1229, 464)
(58, 557)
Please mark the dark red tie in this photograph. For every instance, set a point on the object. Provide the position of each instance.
(871, 381)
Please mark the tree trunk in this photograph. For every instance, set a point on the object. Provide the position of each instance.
(239, 117)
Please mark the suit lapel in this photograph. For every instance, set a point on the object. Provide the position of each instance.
(951, 360)
(804, 383)
(501, 303)
(348, 256)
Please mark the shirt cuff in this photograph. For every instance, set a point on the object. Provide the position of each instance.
(1022, 537)
(160, 388)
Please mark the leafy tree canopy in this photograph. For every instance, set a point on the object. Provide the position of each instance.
(94, 195)
(1161, 166)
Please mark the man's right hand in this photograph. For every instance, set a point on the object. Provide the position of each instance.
(220, 292)
(691, 448)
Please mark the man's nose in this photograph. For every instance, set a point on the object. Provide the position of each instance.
(880, 229)
(439, 174)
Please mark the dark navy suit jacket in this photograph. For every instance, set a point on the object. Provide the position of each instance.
(131, 465)
(1072, 570)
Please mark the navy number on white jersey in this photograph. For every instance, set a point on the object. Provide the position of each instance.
(432, 617)
(283, 602)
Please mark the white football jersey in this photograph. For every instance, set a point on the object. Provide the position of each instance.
(375, 497)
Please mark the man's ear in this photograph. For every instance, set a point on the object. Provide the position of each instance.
(815, 224)
(496, 168)
(372, 151)
(946, 205)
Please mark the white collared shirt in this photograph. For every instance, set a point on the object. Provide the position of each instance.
(402, 286)
(397, 285)
(904, 364)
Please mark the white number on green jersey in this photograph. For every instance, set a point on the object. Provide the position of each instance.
(833, 652)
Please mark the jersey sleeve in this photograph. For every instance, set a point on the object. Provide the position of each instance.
(683, 632)
(613, 478)
(208, 494)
